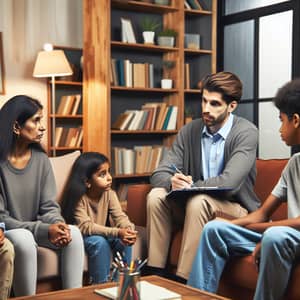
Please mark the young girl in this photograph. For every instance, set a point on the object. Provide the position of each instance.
(89, 202)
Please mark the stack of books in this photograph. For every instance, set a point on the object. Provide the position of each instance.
(128, 74)
(152, 116)
(193, 4)
(68, 105)
(139, 160)
(68, 137)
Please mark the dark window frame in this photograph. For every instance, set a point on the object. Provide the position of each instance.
(256, 14)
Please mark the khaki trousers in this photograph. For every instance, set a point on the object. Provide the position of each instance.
(7, 255)
(192, 214)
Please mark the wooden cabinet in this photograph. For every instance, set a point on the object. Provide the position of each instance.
(104, 102)
(67, 116)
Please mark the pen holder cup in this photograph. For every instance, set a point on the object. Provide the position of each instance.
(129, 286)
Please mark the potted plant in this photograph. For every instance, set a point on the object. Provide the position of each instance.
(162, 2)
(188, 115)
(149, 25)
(167, 82)
(167, 37)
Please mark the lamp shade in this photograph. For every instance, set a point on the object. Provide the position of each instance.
(51, 63)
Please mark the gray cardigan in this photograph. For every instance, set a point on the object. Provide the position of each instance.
(239, 157)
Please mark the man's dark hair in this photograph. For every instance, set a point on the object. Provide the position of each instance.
(287, 99)
(225, 83)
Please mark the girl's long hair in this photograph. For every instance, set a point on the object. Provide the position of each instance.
(82, 170)
(17, 109)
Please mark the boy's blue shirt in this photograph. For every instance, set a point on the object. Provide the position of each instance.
(288, 188)
(2, 226)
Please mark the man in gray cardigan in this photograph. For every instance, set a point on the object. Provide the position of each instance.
(217, 150)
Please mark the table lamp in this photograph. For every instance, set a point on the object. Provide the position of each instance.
(52, 63)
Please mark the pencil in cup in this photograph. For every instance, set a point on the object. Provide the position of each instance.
(129, 286)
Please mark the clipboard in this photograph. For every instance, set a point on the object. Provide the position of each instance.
(198, 190)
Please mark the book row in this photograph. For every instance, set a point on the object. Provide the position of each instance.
(68, 105)
(152, 116)
(68, 136)
(139, 160)
(129, 74)
(193, 4)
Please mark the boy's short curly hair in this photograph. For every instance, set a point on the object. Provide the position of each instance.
(225, 83)
(287, 99)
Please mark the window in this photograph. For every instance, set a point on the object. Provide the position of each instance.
(235, 6)
(258, 46)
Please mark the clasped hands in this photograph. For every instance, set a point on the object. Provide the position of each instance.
(59, 234)
(181, 181)
(127, 236)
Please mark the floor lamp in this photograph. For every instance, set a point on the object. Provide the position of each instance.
(52, 63)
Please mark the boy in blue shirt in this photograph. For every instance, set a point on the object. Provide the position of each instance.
(274, 245)
(6, 264)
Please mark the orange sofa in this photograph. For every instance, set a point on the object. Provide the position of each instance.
(239, 277)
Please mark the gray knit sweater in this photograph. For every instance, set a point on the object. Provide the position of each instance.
(239, 160)
(27, 196)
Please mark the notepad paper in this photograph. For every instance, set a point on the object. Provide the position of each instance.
(148, 291)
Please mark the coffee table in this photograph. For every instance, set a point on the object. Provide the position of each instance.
(187, 293)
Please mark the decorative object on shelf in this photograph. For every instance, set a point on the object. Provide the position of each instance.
(192, 41)
(168, 65)
(162, 2)
(167, 37)
(127, 32)
(2, 81)
(149, 25)
(52, 63)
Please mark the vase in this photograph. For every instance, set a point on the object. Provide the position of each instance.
(166, 83)
(167, 41)
(148, 37)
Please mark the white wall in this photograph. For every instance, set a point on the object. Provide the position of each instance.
(26, 25)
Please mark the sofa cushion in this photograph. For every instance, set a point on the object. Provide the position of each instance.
(61, 166)
(136, 203)
(48, 260)
(268, 173)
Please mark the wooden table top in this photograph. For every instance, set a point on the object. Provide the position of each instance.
(186, 292)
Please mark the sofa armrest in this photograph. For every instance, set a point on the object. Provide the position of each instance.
(137, 203)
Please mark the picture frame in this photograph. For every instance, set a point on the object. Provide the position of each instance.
(2, 69)
(127, 32)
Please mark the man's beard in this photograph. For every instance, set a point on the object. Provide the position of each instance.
(212, 121)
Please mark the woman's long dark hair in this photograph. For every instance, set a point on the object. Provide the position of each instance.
(17, 109)
(82, 170)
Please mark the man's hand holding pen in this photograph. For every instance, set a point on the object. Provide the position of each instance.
(179, 180)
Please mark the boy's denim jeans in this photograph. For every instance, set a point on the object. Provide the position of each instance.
(280, 246)
(99, 250)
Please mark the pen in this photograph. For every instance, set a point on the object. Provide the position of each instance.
(174, 168)
(141, 265)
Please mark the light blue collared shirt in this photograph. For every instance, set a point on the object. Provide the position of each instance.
(212, 146)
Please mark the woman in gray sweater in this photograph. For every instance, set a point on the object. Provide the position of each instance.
(27, 198)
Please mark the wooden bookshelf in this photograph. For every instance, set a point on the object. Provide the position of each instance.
(66, 87)
(102, 42)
